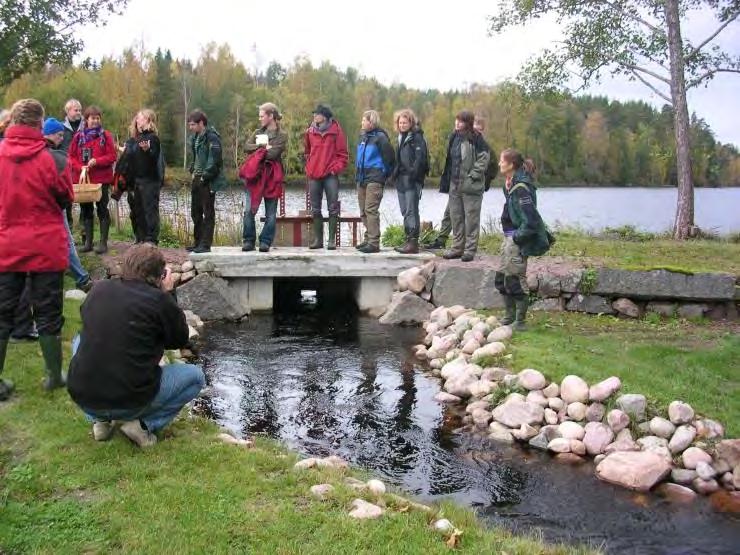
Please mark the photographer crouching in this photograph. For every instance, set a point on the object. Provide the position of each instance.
(114, 375)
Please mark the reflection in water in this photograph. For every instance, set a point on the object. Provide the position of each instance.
(332, 383)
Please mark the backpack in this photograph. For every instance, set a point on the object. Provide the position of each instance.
(161, 165)
(425, 167)
(491, 172)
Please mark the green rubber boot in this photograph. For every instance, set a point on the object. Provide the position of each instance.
(521, 314)
(317, 232)
(333, 224)
(510, 305)
(51, 349)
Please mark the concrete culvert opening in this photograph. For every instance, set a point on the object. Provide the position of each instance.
(324, 294)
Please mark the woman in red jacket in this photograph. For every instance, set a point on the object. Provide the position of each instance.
(94, 148)
(35, 186)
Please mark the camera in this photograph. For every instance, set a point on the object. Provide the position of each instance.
(86, 155)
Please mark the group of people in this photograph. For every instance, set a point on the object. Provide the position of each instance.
(114, 375)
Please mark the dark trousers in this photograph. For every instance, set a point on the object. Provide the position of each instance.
(409, 194)
(203, 212)
(88, 209)
(144, 205)
(316, 189)
(46, 296)
(23, 318)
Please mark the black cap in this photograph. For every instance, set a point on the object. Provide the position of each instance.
(324, 111)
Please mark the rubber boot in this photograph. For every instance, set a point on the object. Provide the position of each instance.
(87, 226)
(333, 224)
(6, 386)
(521, 314)
(510, 305)
(411, 247)
(51, 349)
(317, 232)
(102, 247)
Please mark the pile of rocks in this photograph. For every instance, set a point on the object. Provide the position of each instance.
(571, 419)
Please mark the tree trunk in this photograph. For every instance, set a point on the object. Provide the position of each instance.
(684, 222)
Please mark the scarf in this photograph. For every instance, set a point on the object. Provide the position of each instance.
(90, 134)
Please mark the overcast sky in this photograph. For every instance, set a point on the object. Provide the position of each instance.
(423, 44)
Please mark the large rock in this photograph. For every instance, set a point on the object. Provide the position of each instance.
(662, 308)
(577, 411)
(210, 298)
(592, 304)
(626, 307)
(514, 413)
(680, 412)
(662, 284)
(459, 384)
(709, 429)
(681, 439)
(595, 412)
(657, 445)
(636, 470)
(675, 493)
(729, 450)
(412, 280)
(471, 286)
(574, 389)
(571, 430)
(502, 333)
(486, 351)
(618, 420)
(693, 456)
(548, 305)
(692, 310)
(662, 427)
(633, 404)
(363, 510)
(604, 389)
(548, 286)
(597, 437)
(406, 308)
(532, 379)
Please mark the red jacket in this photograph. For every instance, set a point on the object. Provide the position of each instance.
(32, 193)
(103, 150)
(263, 178)
(326, 153)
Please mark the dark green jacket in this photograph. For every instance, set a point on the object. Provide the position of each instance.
(210, 155)
(520, 215)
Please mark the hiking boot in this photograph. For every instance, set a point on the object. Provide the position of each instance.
(368, 249)
(86, 285)
(134, 431)
(411, 247)
(521, 314)
(333, 225)
(467, 257)
(361, 246)
(201, 248)
(264, 247)
(452, 254)
(102, 247)
(317, 233)
(248, 246)
(510, 305)
(191, 248)
(87, 226)
(102, 431)
(51, 350)
(438, 243)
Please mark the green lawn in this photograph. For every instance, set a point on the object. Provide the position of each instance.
(665, 360)
(61, 492)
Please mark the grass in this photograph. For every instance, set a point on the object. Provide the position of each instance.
(646, 252)
(665, 360)
(61, 492)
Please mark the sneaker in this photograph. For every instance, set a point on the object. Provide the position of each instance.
(264, 247)
(201, 249)
(367, 248)
(102, 430)
(141, 437)
(248, 246)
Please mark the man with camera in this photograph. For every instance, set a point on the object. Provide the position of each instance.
(114, 375)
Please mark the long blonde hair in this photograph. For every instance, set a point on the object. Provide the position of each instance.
(149, 115)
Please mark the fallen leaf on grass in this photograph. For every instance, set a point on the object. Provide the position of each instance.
(454, 538)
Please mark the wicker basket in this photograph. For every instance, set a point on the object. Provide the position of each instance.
(85, 191)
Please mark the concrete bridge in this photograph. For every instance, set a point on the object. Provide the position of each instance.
(262, 280)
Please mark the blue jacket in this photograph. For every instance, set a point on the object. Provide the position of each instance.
(375, 157)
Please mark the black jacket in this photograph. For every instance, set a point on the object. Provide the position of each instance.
(139, 162)
(126, 326)
(412, 158)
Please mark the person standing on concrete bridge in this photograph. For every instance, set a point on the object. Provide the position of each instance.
(326, 155)
(269, 142)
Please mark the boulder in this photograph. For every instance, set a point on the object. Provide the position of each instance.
(597, 437)
(729, 450)
(363, 510)
(499, 432)
(502, 333)
(618, 420)
(683, 475)
(489, 350)
(556, 404)
(577, 447)
(552, 390)
(705, 487)
(559, 445)
(633, 404)
(211, 298)
(705, 471)
(662, 427)
(531, 379)
(375, 486)
(472, 286)
(626, 307)
(476, 405)
(444, 397)
(442, 317)
(495, 374)
(709, 429)
(595, 412)
(680, 413)
(693, 456)
(548, 305)
(692, 310)
(621, 445)
(548, 286)
(406, 308)
(482, 388)
(657, 445)
(458, 310)
(471, 345)
(551, 417)
(459, 384)
(577, 411)
(662, 308)
(481, 418)
(663, 284)
(591, 304)
(514, 413)
(571, 430)
(604, 389)
(525, 432)
(681, 438)
(636, 470)
(321, 490)
(75, 295)
(412, 280)
(675, 493)
(537, 397)
(574, 389)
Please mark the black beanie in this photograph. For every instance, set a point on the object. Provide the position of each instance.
(324, 111)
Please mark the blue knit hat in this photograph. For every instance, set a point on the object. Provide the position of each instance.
(52, 125)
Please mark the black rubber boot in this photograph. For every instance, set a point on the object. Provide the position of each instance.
(333, 224)
(521, 314)
(6, 386)
(510, 305)
(87, 225)
(317, 232)
(51, 349)
(102, 247)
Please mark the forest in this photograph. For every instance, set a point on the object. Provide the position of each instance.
(574, 140)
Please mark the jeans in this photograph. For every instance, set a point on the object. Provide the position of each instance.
(316, 188)
(203, 212)
(249, 232)
(46, 297)
(180, 384)
(75, 266)
(408, 201)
